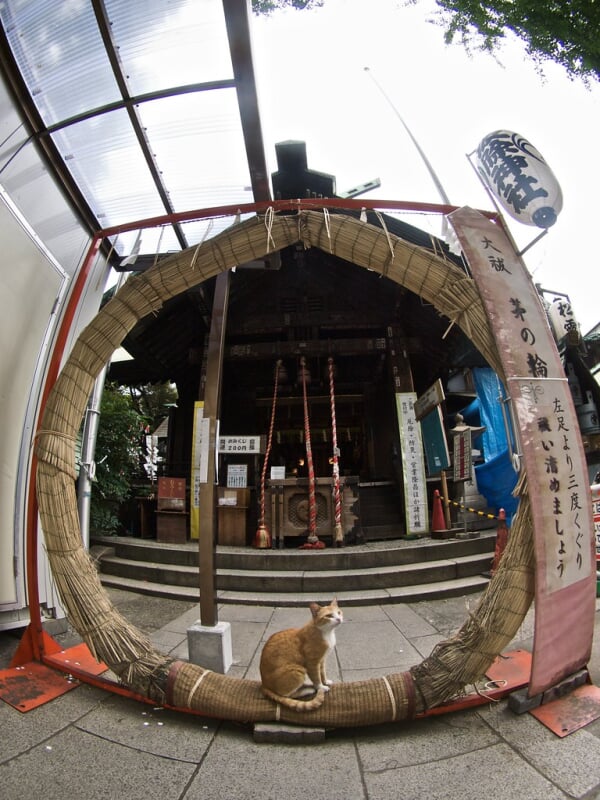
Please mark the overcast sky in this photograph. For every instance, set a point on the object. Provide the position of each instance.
(313, 86)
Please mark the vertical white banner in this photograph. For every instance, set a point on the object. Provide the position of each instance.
(199, 467)
(553, 453)
(413, 465)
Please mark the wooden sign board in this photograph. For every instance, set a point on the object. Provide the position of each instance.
(171, 494)
(241, 444)
(434, 442)
(429, 400)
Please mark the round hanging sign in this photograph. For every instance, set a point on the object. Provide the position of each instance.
(519, 177)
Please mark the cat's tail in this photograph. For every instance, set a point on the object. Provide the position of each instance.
(297, 705)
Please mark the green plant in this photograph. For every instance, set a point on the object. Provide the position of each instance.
(117, 458)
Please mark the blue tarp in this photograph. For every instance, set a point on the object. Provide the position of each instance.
(489, 389)
(496, 478)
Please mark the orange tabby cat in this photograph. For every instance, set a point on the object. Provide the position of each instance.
(292, 664)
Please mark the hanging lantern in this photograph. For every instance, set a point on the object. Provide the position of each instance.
(518, 176)
(563, 321)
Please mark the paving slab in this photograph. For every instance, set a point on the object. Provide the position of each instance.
(21, 732)
(233, 613)
(364, 613)
(408, 620)
(572, 762)
(237, 768)
(89, 743)
(147, 612)
(491, 772)
(376, 642)
(168, 641)
(245, 639)
(79, 765)
(424, 644)
(390, 747)
(150, 729)
(447, 615)
(182, 622)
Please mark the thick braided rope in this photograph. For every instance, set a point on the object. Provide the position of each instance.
(337, 500)
(312, 499)
(263, 474)
(455, 663)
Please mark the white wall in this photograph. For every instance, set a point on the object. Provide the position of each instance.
(42, 249)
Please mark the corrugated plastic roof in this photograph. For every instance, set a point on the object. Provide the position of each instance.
(141, 107)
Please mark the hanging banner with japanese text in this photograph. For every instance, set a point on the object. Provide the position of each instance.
(552, 451)
(200, 442)
(413, 465)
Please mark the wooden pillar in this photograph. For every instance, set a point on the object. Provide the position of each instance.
(207, 495)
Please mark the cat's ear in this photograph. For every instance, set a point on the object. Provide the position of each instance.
(334, 602)
(314, 609)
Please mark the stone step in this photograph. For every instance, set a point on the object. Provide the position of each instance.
(403, 594)
(375, 572)
(287, 581)
(372, 554)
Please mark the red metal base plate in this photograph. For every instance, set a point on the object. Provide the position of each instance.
(31, 685)
(27, 686)
(510, 671)
(76, 659)
(570, 713)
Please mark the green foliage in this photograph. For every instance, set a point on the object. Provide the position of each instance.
(563, 32)
(153, 401)
(117, 458)
(267, 7)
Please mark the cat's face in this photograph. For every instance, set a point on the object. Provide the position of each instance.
(327, 617)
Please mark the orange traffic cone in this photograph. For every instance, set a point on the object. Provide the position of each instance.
(501, 540)
(438, 523)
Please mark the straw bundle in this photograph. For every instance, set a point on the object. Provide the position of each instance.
(457, 662)
(377, 700)
(453, 665)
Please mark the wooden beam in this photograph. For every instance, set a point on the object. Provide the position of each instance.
(212, 402)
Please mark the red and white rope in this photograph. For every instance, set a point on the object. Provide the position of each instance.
(337, 500)
(263, 476)
(312, 500)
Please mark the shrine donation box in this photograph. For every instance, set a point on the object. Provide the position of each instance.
(171, 515)
(232, 519)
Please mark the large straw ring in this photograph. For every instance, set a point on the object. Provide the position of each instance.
(454, 664)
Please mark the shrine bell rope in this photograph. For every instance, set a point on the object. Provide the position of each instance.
(312, 537)
(337, 500)
(453, 664)
(263, 474)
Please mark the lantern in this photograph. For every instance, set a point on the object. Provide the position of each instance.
(563, 322)
(518, 176)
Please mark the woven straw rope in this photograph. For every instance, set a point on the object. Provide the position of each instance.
(453, 665)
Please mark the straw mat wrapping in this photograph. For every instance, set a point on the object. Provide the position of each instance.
(453, 665)
(387, 699)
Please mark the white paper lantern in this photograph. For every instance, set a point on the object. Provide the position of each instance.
(562, 320)
(519, 177)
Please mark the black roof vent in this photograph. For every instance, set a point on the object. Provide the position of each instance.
(293, 179)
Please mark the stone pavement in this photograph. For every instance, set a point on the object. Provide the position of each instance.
(93, 744)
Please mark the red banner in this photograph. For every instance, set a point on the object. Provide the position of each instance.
(551, 449)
